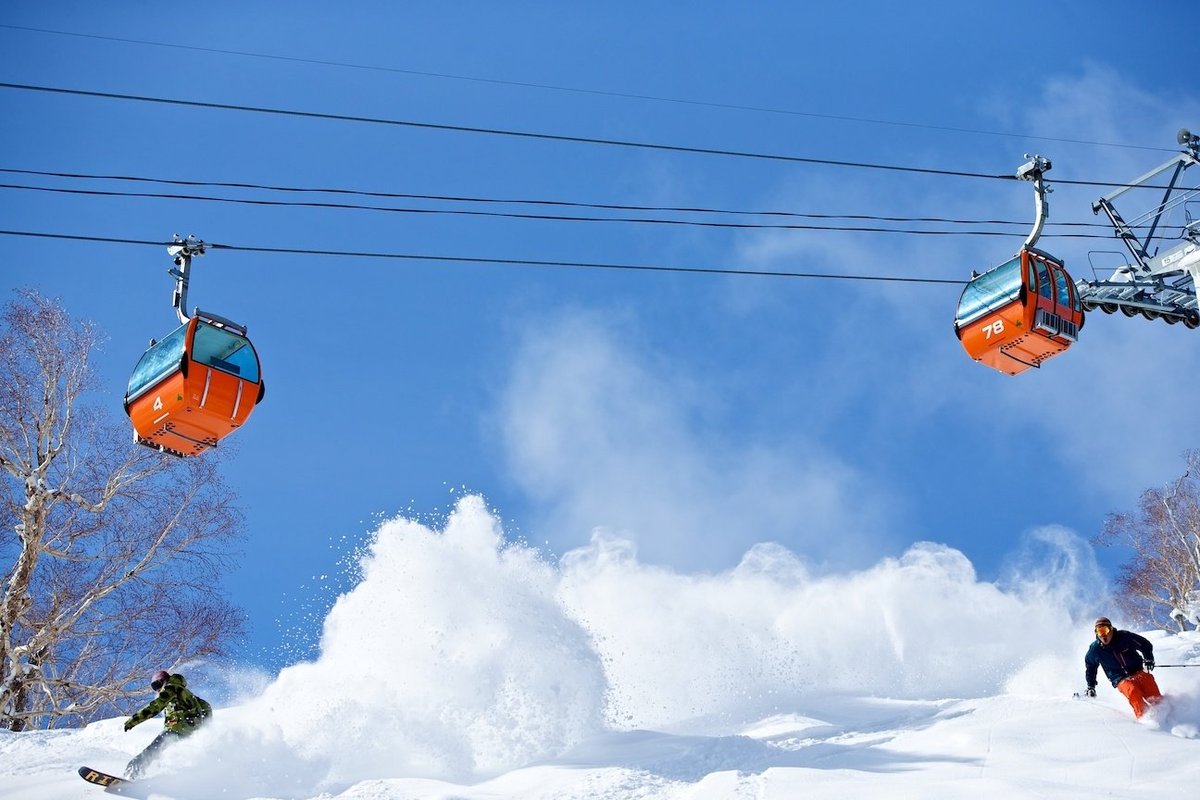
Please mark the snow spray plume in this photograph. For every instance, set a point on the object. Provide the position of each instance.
(459, 656)
(768, 637)
(451, 659)
(224, 684)
(1059, 566)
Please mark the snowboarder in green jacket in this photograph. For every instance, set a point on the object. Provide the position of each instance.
(184, 713)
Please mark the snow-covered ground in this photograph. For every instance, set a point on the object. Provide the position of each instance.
(463, 667)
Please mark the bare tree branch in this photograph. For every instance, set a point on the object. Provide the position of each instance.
(1163, 575)
(109, 551)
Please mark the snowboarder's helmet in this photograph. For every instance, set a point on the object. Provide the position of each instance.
(1103, 621)
(159, 679)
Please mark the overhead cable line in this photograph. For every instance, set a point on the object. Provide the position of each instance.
(534, 135)
(541, 217)
(498, 131)
(496, 261)
(526, 201)
(578, 90)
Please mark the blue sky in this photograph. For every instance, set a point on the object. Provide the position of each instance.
(696, 414)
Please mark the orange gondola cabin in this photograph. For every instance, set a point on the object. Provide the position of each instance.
(195, 387)
(1019, 314)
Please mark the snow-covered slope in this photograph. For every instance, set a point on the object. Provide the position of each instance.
(463, 667)
(1010, 746)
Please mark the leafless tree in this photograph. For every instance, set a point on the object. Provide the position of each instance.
(1163, 574)
(111, 552)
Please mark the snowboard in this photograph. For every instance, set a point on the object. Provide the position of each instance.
(111, 783)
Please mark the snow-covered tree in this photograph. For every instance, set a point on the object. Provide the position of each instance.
(1158, 584)
(110, 553)
(1189, 611)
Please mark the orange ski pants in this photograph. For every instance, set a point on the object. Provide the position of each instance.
(1140, 690)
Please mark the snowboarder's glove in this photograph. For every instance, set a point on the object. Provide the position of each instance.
(1091, 691)
(128, 725)
(1149, 665)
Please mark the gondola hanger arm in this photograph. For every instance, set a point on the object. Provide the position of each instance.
(182, 250)
(1033, 170)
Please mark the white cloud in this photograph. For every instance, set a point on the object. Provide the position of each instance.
(603, 433)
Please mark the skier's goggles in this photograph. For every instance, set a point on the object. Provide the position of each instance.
(1103, 628)
(157, 685)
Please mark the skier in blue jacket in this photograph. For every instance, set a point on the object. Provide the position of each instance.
(1127, 659)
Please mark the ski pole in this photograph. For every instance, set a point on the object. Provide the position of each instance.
(1168, 666)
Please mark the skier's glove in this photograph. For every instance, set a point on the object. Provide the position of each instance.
(1091, 691)
(128, 725)
(1149, 665)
